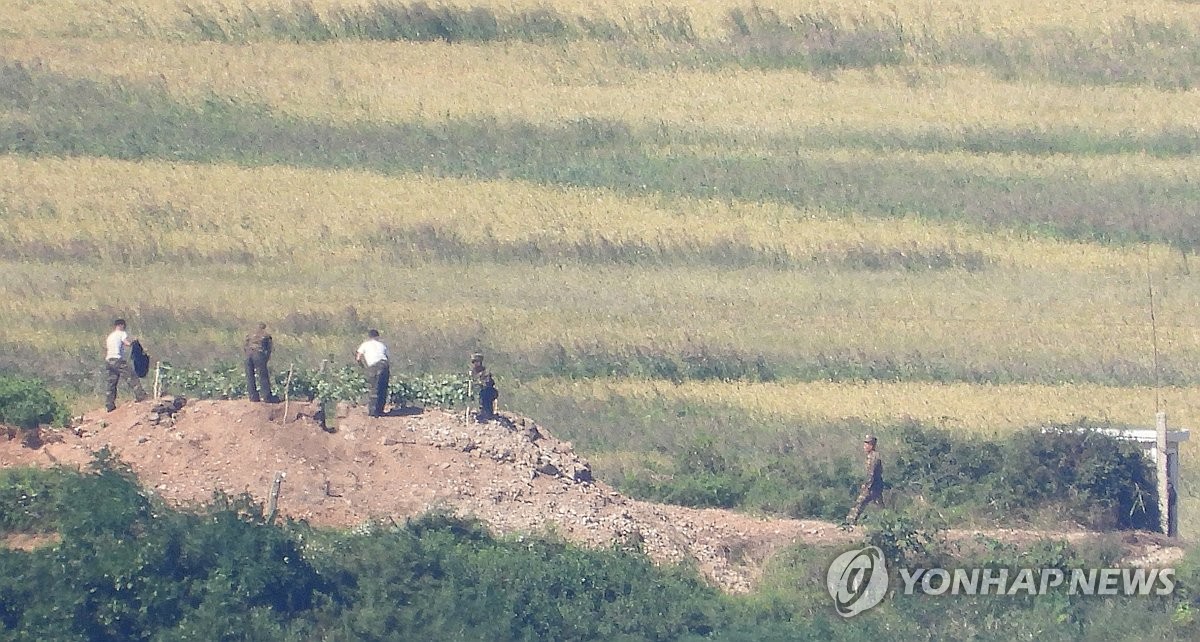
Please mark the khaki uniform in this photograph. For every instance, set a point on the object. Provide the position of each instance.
(257, 348)
(871, 489)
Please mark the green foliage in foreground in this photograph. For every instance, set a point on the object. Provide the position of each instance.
(128, 568)
(1072, 471)
(326, 384)
(26, 403)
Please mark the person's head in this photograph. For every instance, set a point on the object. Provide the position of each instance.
(119, 324)
(488, 381)
(869, 443)
(477, 357)
(262, 325)
(373, 333)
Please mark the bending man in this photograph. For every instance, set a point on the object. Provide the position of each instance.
(116, 359)
(374, 355)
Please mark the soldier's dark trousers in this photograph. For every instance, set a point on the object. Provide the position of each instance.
(257, 365)
(487, 403)
(115, 369)
(377, 388)
(860, 503)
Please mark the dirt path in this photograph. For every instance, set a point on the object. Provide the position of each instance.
(512, 474)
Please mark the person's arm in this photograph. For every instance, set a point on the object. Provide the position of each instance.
(268, 345)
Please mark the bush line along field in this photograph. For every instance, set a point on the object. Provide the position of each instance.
(706, 220)
(127, 567)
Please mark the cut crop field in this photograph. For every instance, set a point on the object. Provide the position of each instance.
(660, 222)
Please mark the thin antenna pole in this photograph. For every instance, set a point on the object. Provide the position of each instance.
(1153, 331)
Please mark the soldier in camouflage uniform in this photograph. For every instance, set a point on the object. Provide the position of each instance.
(872, 487)
(258, 348)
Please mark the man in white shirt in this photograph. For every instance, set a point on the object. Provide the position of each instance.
(374, 355)
(116, 359)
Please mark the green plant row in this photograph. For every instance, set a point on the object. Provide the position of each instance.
(347, 383)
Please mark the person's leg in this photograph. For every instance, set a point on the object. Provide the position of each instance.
(135, 383)
(857, 509)
(264, 381)
(264, 377)
(381, 393)
(373, 373)
(251, 388)
(112, 377)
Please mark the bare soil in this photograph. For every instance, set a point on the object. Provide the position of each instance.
(511, 473)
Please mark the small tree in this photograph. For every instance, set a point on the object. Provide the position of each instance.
(26, 403)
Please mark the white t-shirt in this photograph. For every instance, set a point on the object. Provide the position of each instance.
(115, 344)
(373, 351)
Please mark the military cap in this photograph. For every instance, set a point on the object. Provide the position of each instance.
(869, 439)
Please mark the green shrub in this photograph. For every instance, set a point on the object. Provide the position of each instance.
(26, 403)
(30, 499)
(1081, 474)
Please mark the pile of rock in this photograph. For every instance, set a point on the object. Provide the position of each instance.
(163, 412)
(514, 440)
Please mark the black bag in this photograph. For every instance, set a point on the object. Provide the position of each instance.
(140, 359)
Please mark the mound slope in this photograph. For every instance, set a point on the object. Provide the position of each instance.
(511, 473)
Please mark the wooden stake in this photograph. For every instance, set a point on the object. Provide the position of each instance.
(273, 501)
(157, 380)
(287, 392)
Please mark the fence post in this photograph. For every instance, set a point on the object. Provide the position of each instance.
(1160, 469)
(272, 503)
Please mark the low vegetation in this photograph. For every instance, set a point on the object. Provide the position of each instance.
(125, 567)
(27, 403)
(327, 385)
(1071, 472)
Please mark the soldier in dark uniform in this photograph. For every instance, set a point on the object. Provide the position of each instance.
(487, 398)
(872, 487)
(258, 348)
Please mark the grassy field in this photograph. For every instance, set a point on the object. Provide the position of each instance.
(658, 221)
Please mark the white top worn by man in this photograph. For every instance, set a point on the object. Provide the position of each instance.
(373, 354)
(116, 365)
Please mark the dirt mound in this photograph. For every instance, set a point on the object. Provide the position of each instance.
(511, 473)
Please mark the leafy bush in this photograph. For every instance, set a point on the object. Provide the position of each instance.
(1082, 474)
(30, 499)
(1071, 471)
(26, 403)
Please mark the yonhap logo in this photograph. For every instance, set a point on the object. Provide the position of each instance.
(857, 580)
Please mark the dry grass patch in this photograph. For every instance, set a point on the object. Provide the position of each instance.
(397, 82)
(709, 19)
(962, 407)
